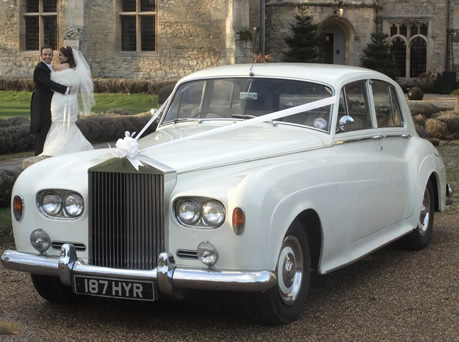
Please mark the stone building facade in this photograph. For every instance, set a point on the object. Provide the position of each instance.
(424, 34)
(187, 35)
(167, 39)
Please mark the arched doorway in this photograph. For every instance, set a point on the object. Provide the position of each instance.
(337, 33)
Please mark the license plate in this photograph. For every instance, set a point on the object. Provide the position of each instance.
(116, 288)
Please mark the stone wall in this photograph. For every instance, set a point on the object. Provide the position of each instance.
(434, 12)
(358, 22)
(195, 34)
(191, 35)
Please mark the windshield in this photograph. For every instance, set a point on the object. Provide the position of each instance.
(245, 98)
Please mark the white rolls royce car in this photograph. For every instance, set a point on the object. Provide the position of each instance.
(256, 176)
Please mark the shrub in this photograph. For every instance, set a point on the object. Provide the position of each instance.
(19, 84)
(164, 93)
(426, 81)
(101, 85)
(7, 179)
(14, 121)
(98, 128)
(15, 136)
(133, 86)
(377, 55)
(304, 40)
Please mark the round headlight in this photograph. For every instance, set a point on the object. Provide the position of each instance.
(213, 213)
(74, 205)
(188, 212)
(40, 240)
(51, 203)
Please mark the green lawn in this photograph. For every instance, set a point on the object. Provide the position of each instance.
(17, 103)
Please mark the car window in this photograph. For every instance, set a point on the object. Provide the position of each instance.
(244, 98)
(318, 118)
(187, 98)
(386, 105)
(354, 108)
(224, 97)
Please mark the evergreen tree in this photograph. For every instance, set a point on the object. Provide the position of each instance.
(377, 55)
(305, 40)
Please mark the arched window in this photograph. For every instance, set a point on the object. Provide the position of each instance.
(398, 49)
(408, 41)
(418, 56)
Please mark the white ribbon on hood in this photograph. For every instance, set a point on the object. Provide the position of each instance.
(129, 147)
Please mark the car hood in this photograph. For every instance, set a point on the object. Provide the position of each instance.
(173, 147)
(193, 145)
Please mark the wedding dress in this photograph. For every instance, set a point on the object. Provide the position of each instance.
(64, 136)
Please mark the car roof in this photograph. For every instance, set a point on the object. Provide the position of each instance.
(331, 74)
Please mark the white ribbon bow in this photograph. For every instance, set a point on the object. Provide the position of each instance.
(129, 147)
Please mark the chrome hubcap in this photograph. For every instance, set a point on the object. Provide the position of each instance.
(290, 270)
(425, 213)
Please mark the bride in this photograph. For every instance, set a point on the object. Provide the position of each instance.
(64, 136)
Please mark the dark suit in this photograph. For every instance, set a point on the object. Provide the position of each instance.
(40, 106)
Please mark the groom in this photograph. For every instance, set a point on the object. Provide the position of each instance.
(40, 106)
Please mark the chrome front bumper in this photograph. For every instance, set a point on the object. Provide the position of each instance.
(167, 275)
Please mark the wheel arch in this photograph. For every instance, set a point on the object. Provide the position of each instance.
(432, 170)
(434, 179)
(310, 221)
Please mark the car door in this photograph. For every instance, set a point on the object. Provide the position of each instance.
(394, 142)
(369, 166)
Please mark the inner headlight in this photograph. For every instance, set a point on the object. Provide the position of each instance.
(213, 213)
(74, 205)
(51, 203)
(200, 212)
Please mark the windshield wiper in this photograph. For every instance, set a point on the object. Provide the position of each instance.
(243, 116)
(183, 119)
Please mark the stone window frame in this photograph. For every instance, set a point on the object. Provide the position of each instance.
(401, 30)
(42, 16)
(138, 19)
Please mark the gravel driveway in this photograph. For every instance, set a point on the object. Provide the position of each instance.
(391, 295)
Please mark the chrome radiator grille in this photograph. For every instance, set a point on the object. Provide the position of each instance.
(126, 220)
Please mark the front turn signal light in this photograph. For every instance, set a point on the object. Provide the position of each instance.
(238, 221)
(18, 207)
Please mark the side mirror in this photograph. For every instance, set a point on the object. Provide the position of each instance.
(346, 123)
